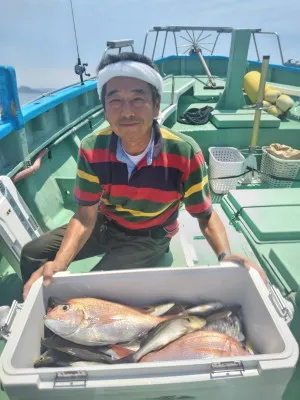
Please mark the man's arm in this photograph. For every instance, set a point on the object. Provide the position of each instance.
(215, 233)
(78, 231)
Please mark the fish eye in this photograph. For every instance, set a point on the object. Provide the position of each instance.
(65, 307)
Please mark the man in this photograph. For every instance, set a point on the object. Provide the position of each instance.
(139, 173)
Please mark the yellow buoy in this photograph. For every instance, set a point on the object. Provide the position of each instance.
(284, 103)
(273, 110)
(251, 85)
(266, 104)
(271, 95)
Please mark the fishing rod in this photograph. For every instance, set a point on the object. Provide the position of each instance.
(79, 68)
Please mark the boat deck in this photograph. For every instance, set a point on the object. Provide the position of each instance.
(49, 193)
(55, 179)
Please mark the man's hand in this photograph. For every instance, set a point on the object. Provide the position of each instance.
(246, 263)
(78, 231)
(46, 271)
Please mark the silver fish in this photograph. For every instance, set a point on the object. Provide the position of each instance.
(165, 333)
(102, 354)
(54, 358)
(228, 322)
(81, 363)
(51, 358)
(203, 310)
(159, 309)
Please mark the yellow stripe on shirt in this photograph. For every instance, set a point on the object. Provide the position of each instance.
(136, 213)
(168, 135)
(87, 177)
(106, 131)
(196, 188)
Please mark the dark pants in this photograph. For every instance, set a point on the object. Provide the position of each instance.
(122, 251)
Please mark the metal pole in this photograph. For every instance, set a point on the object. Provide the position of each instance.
(154, 48)
(175, 40)
(173, 89)
(163, 52)
(280, 49)
(213, 49)
(145, 41)
(260, 97)
(211, 79)
(279, 43)
(255, 44)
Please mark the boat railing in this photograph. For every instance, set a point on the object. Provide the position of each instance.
(118, 44)
(190, 32)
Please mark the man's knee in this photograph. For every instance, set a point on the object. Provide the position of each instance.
(29, 250)
(30, 259)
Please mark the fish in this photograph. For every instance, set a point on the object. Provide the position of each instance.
(97, 322)
(159, 309)
(165, 333)
(80, 364)
(229, 321)
(249, 347)
(54, 301)
(203, 310)
(201, 344)
(103, 354)
(52, 357)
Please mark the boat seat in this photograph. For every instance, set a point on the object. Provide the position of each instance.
(182, 85)
(286, 89)
(168, 106)
(242, 119)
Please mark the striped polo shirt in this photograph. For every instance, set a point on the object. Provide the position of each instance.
(151, 196)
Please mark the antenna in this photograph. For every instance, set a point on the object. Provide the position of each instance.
(79, 68)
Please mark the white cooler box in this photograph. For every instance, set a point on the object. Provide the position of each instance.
(262, 377)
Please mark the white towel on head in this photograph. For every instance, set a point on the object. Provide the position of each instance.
(131, 69)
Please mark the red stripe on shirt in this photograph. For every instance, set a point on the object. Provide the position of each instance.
(199, 208)
(195, 163)
(98, 155)
(171, 161)
(86, 196)
(185, 165)
(136, 193)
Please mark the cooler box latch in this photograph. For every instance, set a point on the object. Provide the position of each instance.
(226, 369)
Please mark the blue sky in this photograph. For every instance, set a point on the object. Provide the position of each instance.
(37, 35)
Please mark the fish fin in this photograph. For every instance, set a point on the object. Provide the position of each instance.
(183, 309)
(241, 337)
(219, 315)
(112, 320)
(118, 317)
(184, 313)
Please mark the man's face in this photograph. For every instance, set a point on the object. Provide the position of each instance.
(129, 107)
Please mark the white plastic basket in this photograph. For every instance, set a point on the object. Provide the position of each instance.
(224, 161)
(278, 167)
